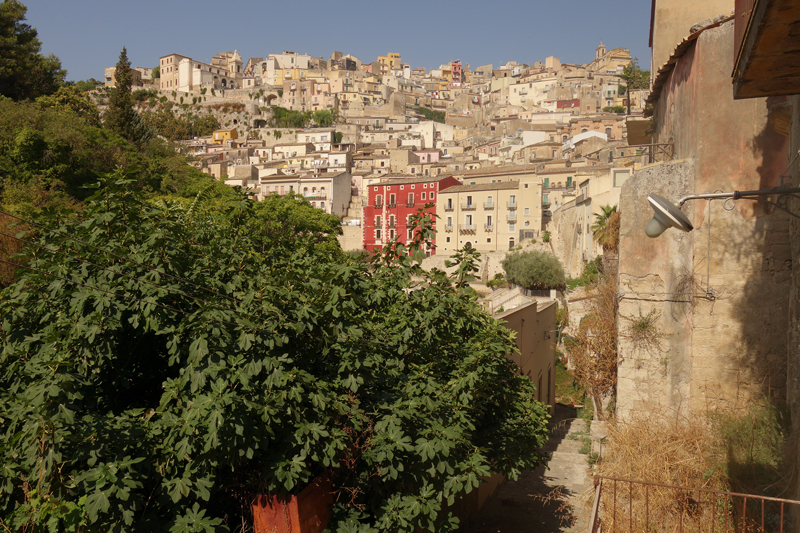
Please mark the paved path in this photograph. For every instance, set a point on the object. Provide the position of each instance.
(544, 500)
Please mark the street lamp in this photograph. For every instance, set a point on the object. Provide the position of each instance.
(668, 215)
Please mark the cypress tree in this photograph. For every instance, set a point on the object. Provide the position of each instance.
(121, 117)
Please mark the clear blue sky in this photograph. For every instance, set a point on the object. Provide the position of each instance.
(88, 34)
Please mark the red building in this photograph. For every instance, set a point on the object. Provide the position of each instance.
(392, 202)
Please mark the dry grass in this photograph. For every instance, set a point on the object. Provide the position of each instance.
(738, 450)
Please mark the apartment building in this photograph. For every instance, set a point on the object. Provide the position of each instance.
(489, 216)
(392, 202)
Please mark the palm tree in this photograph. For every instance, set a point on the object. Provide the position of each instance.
(605, 229)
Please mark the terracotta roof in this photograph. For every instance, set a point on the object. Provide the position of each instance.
(503, 185)
(418, 179)
(664, 71)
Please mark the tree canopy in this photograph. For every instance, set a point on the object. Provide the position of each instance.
(165, 361)
(121, 117)
(535, 270)
(24, 72)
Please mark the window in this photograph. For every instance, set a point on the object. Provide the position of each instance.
(489, 221)
(526, 185)
(546, 182)
(425, 185)
(469, 201)
(527, 223)
(512, 228)
(489, 201)
(569, 181)
(423, 196)
(448, 239)
(449, 222)
(431, 196)
(378, 234)
(413, 186)
(449, 203)
(468, 221)
(411, 198)
(402, 187)
(489, 240)
(545, 199)
(527, 211)
(379, 200)
(392, 199)
(512, 200)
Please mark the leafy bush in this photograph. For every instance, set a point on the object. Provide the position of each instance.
(535, 270)
(430, 114)
(198, 354)
(546, 236)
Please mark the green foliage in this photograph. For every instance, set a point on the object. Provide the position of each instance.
(619, 109)
(175, 128)
(337, 137)
(84, 86)
(635, 77)
(535, 270)
(24, 72)
(323, 117)
(49, 152)
(140, 95)
(591, 273)
(234, 351)
(546, 236)
(467, 260)
(121, 117)
(284, 118)
(750, 446)
(499, 280)
(430, 114)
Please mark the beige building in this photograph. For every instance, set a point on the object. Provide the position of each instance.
(490, 216)
(670, 22)
(182, 73)
(111, 79)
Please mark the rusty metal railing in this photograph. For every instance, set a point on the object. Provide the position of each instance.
(627, 506)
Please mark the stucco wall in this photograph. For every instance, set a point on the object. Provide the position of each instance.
(724, 346)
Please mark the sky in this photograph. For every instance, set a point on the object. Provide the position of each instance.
(88, 35)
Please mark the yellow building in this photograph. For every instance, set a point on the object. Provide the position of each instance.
(488, 216)
(222, 136)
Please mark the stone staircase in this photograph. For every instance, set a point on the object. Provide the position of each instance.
(547, 499)
(355, 211)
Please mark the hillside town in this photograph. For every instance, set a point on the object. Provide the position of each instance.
(526, 145)
(290, 293)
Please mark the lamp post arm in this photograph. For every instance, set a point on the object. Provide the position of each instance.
(738, 194)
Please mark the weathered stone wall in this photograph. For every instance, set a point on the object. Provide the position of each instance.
(718, 293)
(793, 337)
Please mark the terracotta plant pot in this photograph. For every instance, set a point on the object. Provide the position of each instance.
(307, 512)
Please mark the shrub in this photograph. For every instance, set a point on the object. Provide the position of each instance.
(535, 270)
(546, 236)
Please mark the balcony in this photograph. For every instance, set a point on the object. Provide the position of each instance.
(390, 224)
(511, 205)
(378, 205)
(391, 205)
(448, 208)
(545, 205)
(448, 227)
(512, 217)
(488, 227)
(469, 207)
(410, 204)
(488, 205)
(467, 229)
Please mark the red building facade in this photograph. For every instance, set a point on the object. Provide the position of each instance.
(392, 202)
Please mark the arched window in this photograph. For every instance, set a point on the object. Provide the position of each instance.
(322, 192)
(305, 191)
(510, 243)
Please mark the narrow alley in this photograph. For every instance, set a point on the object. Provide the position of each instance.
(543, 500)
